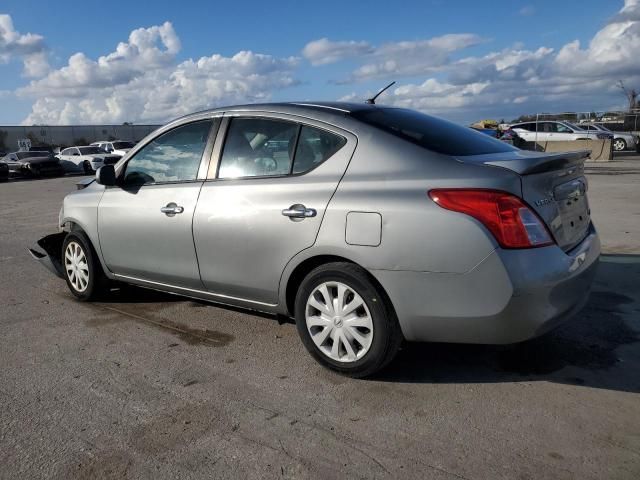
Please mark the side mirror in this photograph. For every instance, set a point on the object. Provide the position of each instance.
(106, 175)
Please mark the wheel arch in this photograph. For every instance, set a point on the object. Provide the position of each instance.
(72, 224)
(310, 262)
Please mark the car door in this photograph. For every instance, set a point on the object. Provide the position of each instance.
(75, 159)
(265, 202)
(145, 222)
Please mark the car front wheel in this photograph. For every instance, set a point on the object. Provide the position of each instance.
(82, 268)
(88, 169)
(345, 321)
(619, 144)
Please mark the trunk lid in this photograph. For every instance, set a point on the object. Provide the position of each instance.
(554, 185)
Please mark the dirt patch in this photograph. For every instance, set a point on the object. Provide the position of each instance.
(189, 335)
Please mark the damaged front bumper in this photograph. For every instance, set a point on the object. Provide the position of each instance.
(48, 251)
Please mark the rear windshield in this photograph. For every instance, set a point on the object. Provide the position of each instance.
(432, 133)
(90, 150)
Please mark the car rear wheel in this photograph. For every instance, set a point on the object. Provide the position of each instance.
(345, 322)
(88, 169)
(82, 268)
(619, 144)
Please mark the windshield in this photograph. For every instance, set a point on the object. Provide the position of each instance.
(603, 128)
(122, 145)
(90, 151)
(432, 133)
(23, 155)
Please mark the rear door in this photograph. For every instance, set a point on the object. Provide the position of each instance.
(145, 223)
(265, 201)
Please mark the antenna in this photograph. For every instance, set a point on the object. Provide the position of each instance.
(372, 100)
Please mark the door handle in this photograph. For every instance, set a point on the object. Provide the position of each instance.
(171, 209)
(299, 211)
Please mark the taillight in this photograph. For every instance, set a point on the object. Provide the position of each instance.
(507, 217)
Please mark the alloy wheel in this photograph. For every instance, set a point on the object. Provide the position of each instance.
(76, 266)
(339, 322)
(619, 145)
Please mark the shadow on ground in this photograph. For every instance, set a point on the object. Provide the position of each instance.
(584, 351)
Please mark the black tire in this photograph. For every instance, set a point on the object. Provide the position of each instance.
(621, 143)
(387, 336)
(97, 283)
(88, 169)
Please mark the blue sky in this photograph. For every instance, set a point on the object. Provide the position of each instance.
(468, 79)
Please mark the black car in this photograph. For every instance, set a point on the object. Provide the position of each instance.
(35, 164)
(4, 171)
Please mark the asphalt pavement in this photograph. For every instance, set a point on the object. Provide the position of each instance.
(150, 385)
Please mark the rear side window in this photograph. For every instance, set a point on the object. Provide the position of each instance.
(314, 147)
(262, 147)
(172, 157)
(258, 147)
(432, 133)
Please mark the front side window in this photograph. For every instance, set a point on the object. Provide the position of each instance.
(314, 147)
(172, 157)
(257, 147)
(563, 128)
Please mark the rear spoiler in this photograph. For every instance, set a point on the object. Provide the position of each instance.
(526, 162)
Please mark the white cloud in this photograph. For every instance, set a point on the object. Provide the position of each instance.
(141, 81)
(391, 59)
(519, 80)
(324, 51)
(30, 48)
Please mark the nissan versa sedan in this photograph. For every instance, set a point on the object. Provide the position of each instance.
(370, 225)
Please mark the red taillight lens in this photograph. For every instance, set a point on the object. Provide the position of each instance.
(507, 217)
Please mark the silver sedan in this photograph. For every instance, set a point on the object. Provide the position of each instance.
(369, 225)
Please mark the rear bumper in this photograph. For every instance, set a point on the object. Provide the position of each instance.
(48, 251)
(511, 296)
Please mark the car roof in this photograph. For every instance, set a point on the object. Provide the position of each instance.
(319, 110)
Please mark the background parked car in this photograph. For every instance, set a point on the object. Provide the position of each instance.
(621, 140)
(549, 131)
(85, 159)
(116, 147)
(33, 163)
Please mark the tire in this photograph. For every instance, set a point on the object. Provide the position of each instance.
(88, 169)
(84, 276)
(371, 330)
(619, 144)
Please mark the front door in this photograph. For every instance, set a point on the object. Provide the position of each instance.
(274, 181)
(144, 224)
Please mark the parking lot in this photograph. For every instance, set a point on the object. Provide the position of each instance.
(146, 384)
